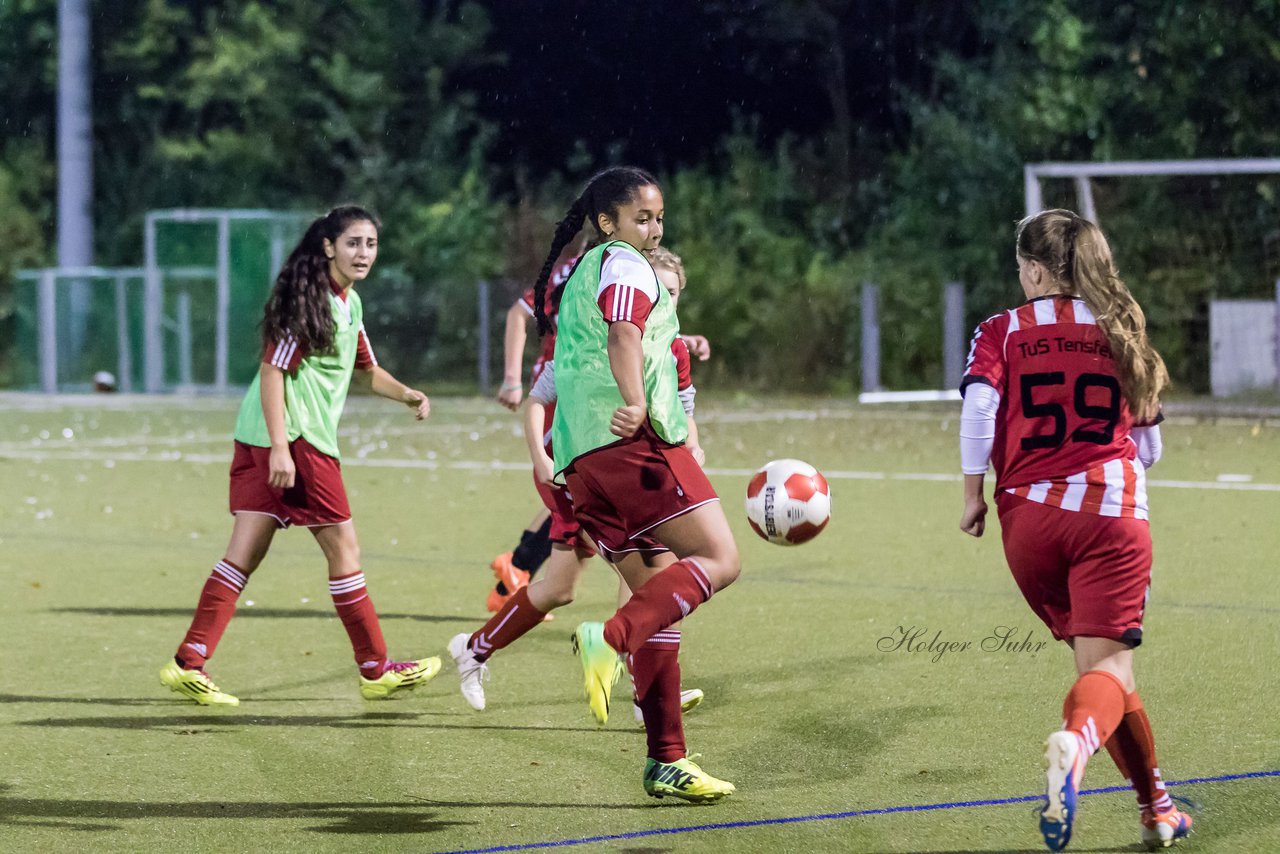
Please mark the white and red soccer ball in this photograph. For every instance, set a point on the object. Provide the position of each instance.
(788, 502)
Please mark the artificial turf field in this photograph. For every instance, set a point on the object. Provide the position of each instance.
(114, 510)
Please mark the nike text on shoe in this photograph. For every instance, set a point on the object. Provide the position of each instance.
(685, 780)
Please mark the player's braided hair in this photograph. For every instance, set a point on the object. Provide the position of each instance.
(603, 195)
(299, 301)
(1077, 255)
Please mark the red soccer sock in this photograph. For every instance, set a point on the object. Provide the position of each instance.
(655, 672)
(668, 597)
(355, 609)
(1093, 708)
(1133, 748)
(513, 620)
(216, 606)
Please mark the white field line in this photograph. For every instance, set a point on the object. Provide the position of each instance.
(57, 443)
(70, 455)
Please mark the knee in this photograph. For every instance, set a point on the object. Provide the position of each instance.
(724, 567)
(346, 558)
(559, 595)
(547, 597)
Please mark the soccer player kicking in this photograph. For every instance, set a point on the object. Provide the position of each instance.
(1062, 398)
(572, 550)
(618, 438)
(286, 471)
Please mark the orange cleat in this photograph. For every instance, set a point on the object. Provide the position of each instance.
(509, 577)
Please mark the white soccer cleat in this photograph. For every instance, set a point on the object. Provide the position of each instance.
(689, 700)
(1064, 760)
(470, 671)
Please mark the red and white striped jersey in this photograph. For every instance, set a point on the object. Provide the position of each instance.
(1062, 428)
(287, 355)
(628, 289)
(551, 306)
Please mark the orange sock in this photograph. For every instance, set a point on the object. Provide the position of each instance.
(1133, 748)
(1093, 708)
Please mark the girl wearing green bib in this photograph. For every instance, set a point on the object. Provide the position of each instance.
(285, 469)
(618, 440)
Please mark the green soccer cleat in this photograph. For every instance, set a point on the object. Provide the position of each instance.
(601, 667)
(685, 780)
(194, 685)
(399, 676)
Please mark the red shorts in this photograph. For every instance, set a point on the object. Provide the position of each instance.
(623, 491)
(564, 527)
(317, 497)
(1083, 574)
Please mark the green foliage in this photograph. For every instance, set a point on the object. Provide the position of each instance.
(776, 308)
(301, 105)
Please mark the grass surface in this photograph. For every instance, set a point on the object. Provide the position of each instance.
(114, 510)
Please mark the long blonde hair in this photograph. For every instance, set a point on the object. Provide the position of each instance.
(1077, 255)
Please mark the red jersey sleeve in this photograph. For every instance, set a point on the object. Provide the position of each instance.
(987, 363)
(684, 373)
(628, 289)
(285, 355)
(526, 301)
(365, 360)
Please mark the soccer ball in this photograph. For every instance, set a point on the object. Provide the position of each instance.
(788, 502)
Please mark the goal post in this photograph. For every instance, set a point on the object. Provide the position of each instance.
(1081, 173)
(1200, 241)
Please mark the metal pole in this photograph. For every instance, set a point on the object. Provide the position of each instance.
(46, 311)
(152, 313)
(482, 297)
(953, 353)
(277, 252)
(222, 331)
(870, 337)
(184, 341)
(1033, 199)
(75, 136)
(124, 359)
(1084, 198)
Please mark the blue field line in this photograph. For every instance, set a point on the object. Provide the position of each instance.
(728, 825)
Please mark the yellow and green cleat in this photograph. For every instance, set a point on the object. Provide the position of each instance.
(685, 780)
(601, 667)
(399, 676)
(194, 685)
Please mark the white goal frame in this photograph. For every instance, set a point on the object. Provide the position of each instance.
(1081, 173)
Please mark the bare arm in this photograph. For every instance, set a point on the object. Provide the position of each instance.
(513, 340)
(699, 347)
(973, 519)
(694, 445)
(281, 471)
(380, 381)
(626, 360)
(534, 418)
